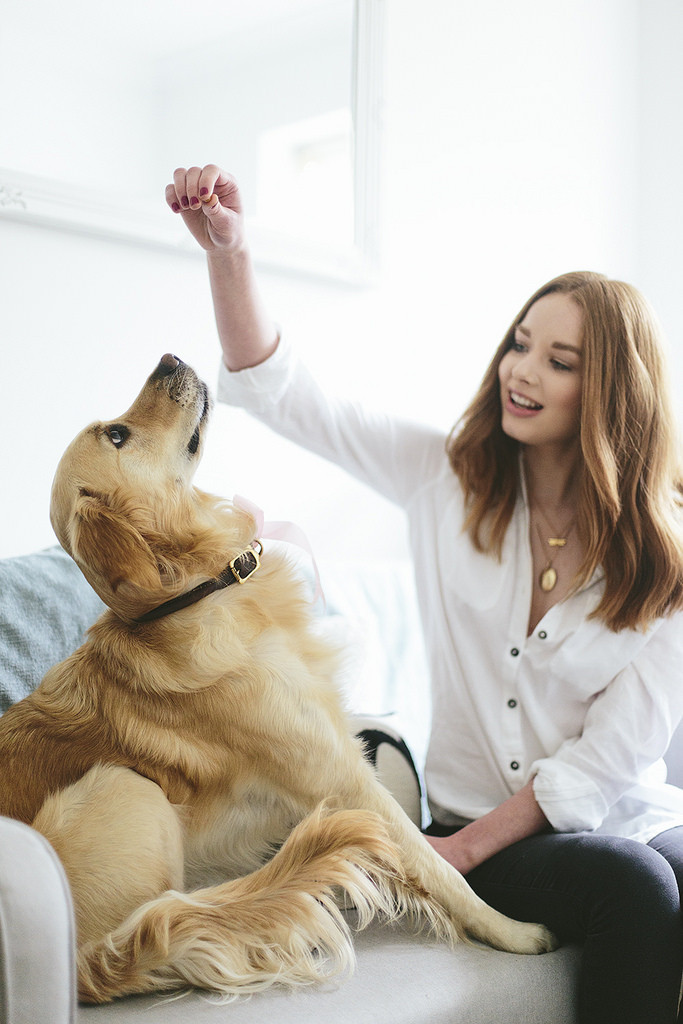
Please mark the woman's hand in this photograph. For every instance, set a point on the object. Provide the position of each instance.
(209, 202)
(516, 818)
(454, 850)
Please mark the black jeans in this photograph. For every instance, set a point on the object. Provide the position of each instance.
(621, 899)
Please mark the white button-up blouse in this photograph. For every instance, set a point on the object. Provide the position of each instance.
(588, 713)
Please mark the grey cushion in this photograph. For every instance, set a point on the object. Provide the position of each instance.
(46, 605)
(400, 978)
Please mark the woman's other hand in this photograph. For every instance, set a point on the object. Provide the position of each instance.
(453, 850)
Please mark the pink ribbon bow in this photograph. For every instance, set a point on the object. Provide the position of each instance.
(290, 533)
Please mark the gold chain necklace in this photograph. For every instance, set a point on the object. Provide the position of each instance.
(548, 575)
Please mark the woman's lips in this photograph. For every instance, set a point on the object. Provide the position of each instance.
(521, 405)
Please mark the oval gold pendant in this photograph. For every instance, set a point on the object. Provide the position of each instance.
(548, 579)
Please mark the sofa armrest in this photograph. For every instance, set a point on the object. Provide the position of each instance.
(386, 749)
(37, 963)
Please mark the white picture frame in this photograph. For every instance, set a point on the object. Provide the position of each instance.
(28, 197)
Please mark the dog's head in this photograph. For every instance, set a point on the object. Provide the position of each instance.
(123, 504)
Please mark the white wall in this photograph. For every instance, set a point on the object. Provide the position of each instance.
(520, 141)
(660, 224)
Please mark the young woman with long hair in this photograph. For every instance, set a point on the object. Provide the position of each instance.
(631, 477)
(547, 538)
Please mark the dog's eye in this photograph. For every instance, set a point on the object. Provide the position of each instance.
(118, 435)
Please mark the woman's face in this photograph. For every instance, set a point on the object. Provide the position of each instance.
(540, 375)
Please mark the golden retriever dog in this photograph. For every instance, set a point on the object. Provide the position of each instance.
(192, 763)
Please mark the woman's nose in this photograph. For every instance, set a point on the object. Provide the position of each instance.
(524, 370)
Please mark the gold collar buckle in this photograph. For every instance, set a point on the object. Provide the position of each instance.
(245, 564)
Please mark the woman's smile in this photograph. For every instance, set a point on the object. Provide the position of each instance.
(520, 405)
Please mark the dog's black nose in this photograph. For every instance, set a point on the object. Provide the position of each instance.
(167, 364)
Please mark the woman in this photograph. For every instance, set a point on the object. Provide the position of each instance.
(546, 534)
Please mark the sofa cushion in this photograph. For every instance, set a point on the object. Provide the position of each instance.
(46, 605)
(400, 978)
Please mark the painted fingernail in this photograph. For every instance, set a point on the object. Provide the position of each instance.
(175, 207)
(194, 201)
(185, 201)
(203, 191)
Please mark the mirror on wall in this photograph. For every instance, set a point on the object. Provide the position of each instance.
(99, 103)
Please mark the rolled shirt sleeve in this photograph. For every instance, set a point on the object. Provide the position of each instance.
(258, 389)
(627, 730)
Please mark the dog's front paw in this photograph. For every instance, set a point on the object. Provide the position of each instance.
(536, 938)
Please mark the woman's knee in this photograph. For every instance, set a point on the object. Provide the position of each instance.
(631, 884)
(627, 863)
(582, 884)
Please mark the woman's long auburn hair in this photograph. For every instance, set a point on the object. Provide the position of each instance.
(629, 516)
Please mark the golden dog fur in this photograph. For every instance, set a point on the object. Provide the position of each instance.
(197, 774)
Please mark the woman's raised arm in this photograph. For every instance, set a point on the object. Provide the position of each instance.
(209, 202)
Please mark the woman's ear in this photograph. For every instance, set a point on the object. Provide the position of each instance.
(106, 543)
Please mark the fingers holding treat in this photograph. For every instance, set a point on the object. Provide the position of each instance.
(209, 201)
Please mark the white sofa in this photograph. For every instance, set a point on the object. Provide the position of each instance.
(400, 977)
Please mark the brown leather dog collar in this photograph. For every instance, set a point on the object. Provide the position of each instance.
(238, 570)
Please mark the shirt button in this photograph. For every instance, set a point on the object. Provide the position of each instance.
(514, 652)
(514, 765)
(543, 635)
(512, 703)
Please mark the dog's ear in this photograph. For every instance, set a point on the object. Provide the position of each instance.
(105, 541)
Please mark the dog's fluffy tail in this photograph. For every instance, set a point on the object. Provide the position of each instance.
(281, 924)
